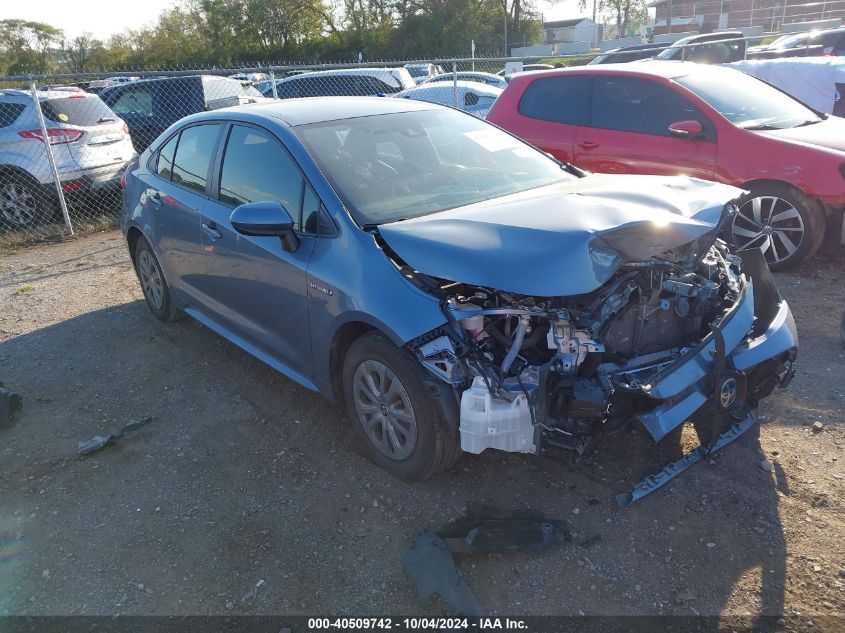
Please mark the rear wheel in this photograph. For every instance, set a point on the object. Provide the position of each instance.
(787, 225)
(23, 201)
(394, 415)
(154, 285)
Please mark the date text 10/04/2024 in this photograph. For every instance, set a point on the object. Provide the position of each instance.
(417, 623)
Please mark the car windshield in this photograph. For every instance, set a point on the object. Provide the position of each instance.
(418, 71)
(749, 103)
(397, 166)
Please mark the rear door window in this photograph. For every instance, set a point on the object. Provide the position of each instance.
(193, 156)
(257, 168)
(78, 110)
(628, 104)
(557, 99)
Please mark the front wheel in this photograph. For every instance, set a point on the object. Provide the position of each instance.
(399, 421)
(785, 224)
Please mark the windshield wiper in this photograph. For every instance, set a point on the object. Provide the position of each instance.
(106, 119)
(762, 126)
(809, 122)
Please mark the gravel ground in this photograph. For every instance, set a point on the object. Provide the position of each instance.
(243, 496)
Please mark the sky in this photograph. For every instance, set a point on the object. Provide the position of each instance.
(105, 17)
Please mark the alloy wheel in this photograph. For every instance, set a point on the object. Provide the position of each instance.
(151, 280)
(18, 205)
(384, 410)
(770, 223)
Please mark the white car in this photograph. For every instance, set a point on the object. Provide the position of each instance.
(422, 71)
(488, 79)
(89, 142)
(252, 78)
(471, 96)
(341, 82)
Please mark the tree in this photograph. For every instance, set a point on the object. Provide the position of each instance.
(25, 46)
(79, 51)
(626, 12)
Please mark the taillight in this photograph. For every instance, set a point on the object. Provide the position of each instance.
(57, 136)
(125, 128)
(123, 181)
(73, 185)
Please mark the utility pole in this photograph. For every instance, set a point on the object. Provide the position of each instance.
(506, 28)
(671, 8)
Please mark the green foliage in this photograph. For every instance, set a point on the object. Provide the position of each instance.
(25, 46)
(228, 33)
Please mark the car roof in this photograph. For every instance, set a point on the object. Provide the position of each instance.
(668, 69)
(340, 71)
(44, 95)
(709, 37)
(432, 86)
(295, 112)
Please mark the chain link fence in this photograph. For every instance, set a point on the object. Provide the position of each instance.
(66, 140)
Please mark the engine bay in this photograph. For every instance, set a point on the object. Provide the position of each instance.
(560, 370)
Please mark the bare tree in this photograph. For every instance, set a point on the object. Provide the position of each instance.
(79, 51)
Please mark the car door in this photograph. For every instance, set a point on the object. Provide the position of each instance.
(550, 111)
(628, 131)
(256, 289)
(176, 191)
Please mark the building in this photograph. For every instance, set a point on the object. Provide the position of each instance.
(769, 15)
(576, 30)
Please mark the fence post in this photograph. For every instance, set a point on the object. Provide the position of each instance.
(273, 84)
(48, 148)
(455, 82)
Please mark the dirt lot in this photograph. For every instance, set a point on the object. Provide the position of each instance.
(244, 497)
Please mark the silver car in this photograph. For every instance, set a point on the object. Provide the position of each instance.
(89, 142)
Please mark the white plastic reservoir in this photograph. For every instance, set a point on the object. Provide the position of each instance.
(487, 422)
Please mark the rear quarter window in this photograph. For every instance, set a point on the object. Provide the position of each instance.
(10, 112)
(78, 110)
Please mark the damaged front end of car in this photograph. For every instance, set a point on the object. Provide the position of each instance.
(668, 335)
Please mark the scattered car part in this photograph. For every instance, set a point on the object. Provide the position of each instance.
(10, 405)
(490, 529)
(429, 562)
(483, 529)
(98, 441)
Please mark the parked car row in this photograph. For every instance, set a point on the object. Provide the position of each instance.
(731, 46)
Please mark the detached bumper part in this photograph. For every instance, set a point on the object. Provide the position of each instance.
(670, 471)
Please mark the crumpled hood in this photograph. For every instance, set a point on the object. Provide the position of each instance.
(564, 239)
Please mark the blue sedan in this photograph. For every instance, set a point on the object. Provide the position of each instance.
(452, 287)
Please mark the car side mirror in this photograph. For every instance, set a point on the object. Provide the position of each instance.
(265, 218)
(686, 129)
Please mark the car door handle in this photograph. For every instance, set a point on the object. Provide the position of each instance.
(588, 145)
(211, 231)
(155, 198)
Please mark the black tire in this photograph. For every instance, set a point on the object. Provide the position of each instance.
(801, 224)
(436, 442)
(157, 295)
(24, 202)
